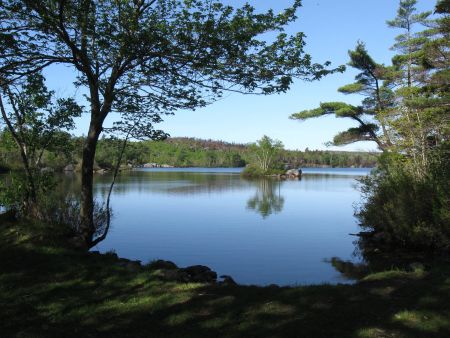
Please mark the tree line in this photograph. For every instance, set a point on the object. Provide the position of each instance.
(178, 152)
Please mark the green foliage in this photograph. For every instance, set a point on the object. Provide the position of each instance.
(405, 111)
(36, 125)
(149, 58)
(408, 210)
(14, 190)
(361, 133)
(264, 157)
(183, 152)
(370, 114)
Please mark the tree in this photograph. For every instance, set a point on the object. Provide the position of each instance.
(37, 123)
(420, 80)
(265, 151)
(150, 55)
(371, 115)
(406, 199)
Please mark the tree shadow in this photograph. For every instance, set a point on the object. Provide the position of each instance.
(49, 291)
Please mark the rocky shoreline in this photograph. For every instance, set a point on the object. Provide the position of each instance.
(170, 272)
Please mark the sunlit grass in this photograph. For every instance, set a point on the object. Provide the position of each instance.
(427, 321)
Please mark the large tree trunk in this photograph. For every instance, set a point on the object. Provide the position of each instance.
(87, 226)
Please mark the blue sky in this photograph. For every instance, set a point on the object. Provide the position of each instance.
(332, 28)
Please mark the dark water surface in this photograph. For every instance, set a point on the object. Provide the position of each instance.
(259, 232)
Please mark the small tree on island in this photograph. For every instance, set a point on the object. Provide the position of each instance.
(263, 154)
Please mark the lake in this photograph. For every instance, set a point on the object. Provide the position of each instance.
(257, 231)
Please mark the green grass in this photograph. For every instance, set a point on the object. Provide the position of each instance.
(49, 291)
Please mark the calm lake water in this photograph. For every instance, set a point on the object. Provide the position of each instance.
(259, 231)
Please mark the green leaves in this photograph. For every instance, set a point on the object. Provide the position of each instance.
(351, 88)
(361, 133)
(183, 53)
(339, 109)
(264, 152)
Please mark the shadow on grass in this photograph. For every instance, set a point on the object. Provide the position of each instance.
(48, 291)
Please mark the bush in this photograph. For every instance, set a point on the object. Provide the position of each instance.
(253, 171)
(408, 211)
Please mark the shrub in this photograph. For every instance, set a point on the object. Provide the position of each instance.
(409, 211)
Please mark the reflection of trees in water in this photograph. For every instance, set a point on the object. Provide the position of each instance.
(349, 270)
(179, 183)
(267, 199)
(373, 257)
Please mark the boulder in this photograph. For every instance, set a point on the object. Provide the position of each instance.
(162, 265)
(69, 167)
(175, 275)
(294, 173)
(227, 280)
(200, 274)
(132, 266)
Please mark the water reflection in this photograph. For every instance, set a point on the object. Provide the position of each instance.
(349, 270)
(178, 183)
(233, 225)
(267, 199)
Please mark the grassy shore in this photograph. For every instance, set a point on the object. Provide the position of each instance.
(49, 291)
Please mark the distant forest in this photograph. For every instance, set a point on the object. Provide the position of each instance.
(181, 152)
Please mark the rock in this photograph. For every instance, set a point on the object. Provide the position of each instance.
(168, 271)
(150, 165)
(166, 166)
(133, 266)
(200, 274)
(227, 280)
(205, 277)
(162, 265)
(196, 269)
(69, 167)
(294, 173)
(175, 276)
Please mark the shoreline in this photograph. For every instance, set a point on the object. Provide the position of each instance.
(52, 291)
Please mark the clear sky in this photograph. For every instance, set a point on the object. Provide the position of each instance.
(332, 28)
